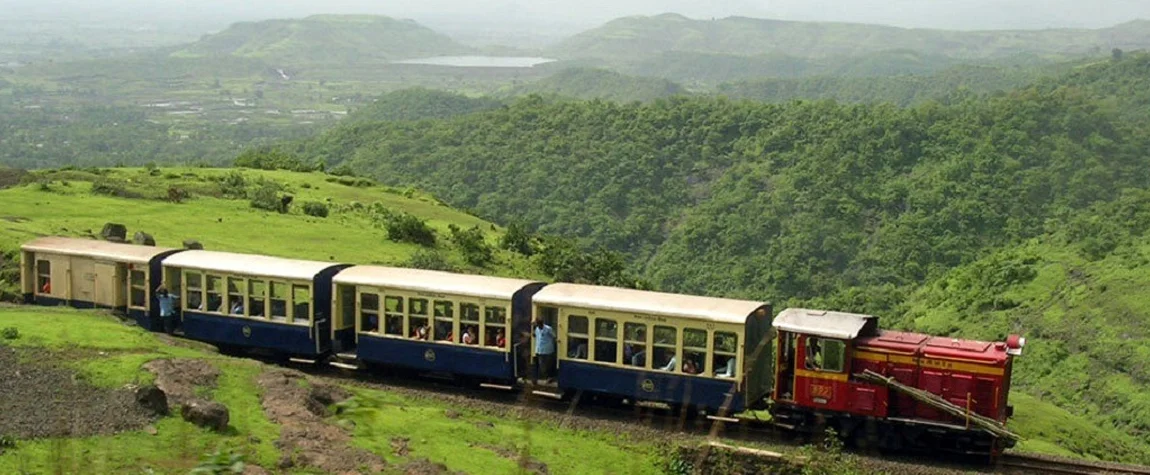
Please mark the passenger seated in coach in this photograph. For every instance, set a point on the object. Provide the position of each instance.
(238, 308)
(690, 367)
(470, 336)
(420, 333)
(728, 371)
(500, 340)
(639, 359)
(670, 364)
(370, 323)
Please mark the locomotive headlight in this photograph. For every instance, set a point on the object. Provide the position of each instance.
(1014, 344)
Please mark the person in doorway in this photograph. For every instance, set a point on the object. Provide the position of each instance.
(544, 350)
(167, 303)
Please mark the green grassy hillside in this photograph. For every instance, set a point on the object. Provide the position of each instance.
(322, 39)
(643, 36)
(220, 215)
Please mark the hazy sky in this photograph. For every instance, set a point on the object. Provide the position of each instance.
(952, 14)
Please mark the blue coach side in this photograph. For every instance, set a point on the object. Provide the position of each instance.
(255, 302)
(684, 350)
(431, 321)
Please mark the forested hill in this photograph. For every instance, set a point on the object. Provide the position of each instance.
(643, 36)
(819, 203)
(589, 83)
(325, 39)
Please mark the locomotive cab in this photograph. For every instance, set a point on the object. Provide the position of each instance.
(813, 360)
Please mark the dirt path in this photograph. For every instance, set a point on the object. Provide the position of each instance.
(299, 405)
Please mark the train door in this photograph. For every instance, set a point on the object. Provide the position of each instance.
(109, 285)
(550, 318)
(82, 276)
(786, 367)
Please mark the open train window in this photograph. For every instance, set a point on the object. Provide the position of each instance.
(236, 296)
(577, 331)
(138, 291)
(257, 298)
(444, 320)
(279, 301)
(44, 276)
(724, 356)
(825, 354)
(369, 312)
(195, 289)
(393, 315)
(663, 349)
(301, 303)
(606, 340)
(495, 323)
(635, 341)
(694, 350)
(215, 294)
(417, 318)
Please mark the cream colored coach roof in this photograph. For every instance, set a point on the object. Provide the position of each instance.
(822, 322)
(112, 251)
(247, 264)
(420, 280)
(719, 310)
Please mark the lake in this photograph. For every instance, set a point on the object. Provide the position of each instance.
(480, 61)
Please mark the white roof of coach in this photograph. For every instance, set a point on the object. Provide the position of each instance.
(112, 251)
(713, 309)
(420, 280)
(825, 323)
(248, 264)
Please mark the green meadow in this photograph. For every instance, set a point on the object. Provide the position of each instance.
(63, 203)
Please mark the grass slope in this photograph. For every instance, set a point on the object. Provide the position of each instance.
(348, 234)
(467, 440)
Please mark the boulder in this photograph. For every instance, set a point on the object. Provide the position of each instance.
(143, 238)
(212, 415)
(153, 399)
(114, 232)
(192, 244)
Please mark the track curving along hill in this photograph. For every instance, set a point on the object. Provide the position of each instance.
(639, 37)
(321, 39)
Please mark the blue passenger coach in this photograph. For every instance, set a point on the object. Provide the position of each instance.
(87, 273)
(466, 325)
(247, 301)
(702, 352)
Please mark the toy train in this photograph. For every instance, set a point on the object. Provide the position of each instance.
(699, 354)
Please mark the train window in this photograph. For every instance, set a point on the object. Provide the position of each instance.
(138, 283)
(577, 337)
(825, 354)
(663, 348)
(215, 293)
(44, 276)
(694, 350)
(301, 303)
(369, 312)
(635, 344)
(393, 318)
(236, 296)
(444, 320)
(606, 340)
(195, 289)
(495, 325)
(279, 301)
(257, 298)
(724, 357)
(417, 314)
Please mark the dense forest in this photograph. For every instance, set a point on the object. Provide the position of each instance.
(863, 207)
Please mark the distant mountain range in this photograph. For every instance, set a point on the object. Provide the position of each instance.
(326, 39)
(638, 37)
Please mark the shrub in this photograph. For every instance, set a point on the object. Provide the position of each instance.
(10, 333)
(110, 187)
(429, 259)
(472, 244)
(517, 239)
(177, 194)
(405, 227)
(315, 208)
(267, 197)
(234, 185)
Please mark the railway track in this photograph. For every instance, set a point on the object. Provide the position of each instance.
(1040, 464)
